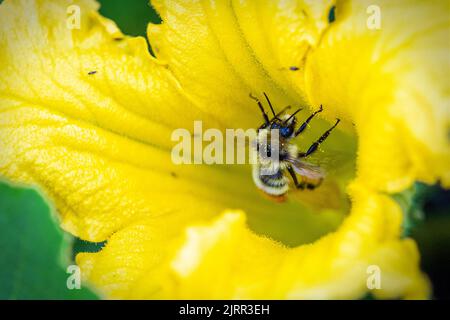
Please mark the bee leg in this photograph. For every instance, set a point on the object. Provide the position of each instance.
(316, 144)
(304, 184)
(299, 185)
(281, 112)
(305, 124)
(312, 186)
(276, 117)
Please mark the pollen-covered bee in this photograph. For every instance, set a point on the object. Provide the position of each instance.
(269, 172)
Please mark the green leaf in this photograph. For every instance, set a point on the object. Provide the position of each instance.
(85, 246)
(412, 202)
(34, 250)
(131, 17)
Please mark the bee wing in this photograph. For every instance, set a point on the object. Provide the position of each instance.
(328, 196)
(307, 170)
(334, 162)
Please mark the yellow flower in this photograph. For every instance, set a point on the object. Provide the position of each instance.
(87, 114)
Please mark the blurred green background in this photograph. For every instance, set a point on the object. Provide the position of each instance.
(427, 209)
(131, 16)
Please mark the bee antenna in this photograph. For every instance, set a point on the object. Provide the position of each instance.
(266, 118)
(270, 104)
(292, 115)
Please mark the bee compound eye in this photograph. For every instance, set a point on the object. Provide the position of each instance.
(286, 131)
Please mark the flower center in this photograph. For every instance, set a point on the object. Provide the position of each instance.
(306, 215)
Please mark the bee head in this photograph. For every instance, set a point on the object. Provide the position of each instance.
(286, 126)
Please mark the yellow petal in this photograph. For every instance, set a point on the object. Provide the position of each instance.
(221, 51)
(223, 259)
(392, 83)
(97, 143)
(88, 115)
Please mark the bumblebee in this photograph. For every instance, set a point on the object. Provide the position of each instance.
(272, 176)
